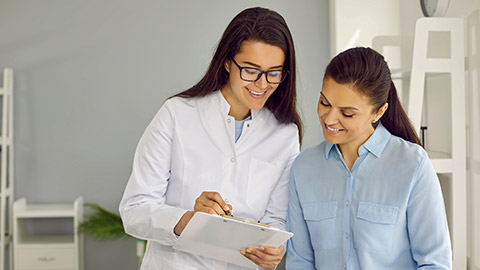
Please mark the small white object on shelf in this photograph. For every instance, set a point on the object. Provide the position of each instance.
(46, 235)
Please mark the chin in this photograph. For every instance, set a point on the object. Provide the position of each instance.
(256, 107)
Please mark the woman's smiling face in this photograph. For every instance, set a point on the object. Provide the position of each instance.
(244, 96)
(345, 114)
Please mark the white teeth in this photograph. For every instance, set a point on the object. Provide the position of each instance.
(333, 129)
(255, 93)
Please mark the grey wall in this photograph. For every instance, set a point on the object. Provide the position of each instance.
(89, 76)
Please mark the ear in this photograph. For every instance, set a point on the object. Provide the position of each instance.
(380, 112)
(227, 65)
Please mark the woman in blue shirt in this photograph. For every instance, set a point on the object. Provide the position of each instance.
(367, 197)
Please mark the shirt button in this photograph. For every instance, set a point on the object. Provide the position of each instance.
(346, 235)
(232, 159)
(345, 266)
(347, 203)
(229, 120)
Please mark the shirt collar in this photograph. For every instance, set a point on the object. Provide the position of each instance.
(375, 144)
(225, 107)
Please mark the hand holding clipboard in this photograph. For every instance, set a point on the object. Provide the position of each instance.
(223, 237)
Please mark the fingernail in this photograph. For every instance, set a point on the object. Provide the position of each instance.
(227, 208)
(249, 250)
(242, 251)
(261, 248)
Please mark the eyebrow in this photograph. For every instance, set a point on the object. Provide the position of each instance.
(342, 108)
(257, 66)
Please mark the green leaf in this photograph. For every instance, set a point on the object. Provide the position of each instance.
(102, 224)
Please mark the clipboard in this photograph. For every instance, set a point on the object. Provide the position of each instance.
(222, 238)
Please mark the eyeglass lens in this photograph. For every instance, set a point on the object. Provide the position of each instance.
(253, 74)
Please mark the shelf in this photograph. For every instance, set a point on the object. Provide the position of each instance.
(5, 141)
(46, 236)
(7, 192)
(43, 211)
(59, 240)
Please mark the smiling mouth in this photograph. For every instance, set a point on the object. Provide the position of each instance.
(332, 129)
(259, 94)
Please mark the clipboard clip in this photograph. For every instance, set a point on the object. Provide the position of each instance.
(245, 220)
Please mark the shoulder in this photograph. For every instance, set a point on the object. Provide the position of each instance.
(269, 121)
(410, 153)
(178, 102)
(310, 156)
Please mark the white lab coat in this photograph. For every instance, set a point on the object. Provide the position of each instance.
(188, 148)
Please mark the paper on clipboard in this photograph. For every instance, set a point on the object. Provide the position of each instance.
(222, 238)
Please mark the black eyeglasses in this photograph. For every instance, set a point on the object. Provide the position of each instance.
(250, 74)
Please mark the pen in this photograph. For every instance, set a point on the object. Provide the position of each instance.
(228, 213)
(227, 210)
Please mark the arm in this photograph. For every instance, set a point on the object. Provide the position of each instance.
(427, 222)
(299, 250)
(142, 208)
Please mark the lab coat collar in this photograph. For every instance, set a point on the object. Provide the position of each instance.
(224, 107)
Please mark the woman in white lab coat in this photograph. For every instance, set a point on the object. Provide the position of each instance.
(224, 145)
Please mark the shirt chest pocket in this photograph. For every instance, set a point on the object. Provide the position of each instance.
(321, 218)
(374, 227)
(262, 179)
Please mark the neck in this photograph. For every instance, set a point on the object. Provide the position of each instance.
(349, 154)
(238, 111)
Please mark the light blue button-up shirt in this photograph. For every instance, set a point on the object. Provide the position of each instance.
(387, 212)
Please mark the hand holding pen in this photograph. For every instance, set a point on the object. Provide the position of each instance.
(212, 203)
(208, 202)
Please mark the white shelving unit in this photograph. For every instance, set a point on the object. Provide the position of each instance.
(450, 164)
(6, 169)
(46, 236)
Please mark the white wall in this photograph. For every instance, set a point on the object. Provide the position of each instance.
(89, 76)
(369, 23)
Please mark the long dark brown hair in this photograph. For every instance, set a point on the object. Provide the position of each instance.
(366, 71)
(263, 25)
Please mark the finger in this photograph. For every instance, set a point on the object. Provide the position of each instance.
(264, 256)
(230, 207)
(210, 207)
(251, 255)
(272, 250)
(216, 197)
(206, 203)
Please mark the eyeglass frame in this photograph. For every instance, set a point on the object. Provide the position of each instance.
(261, 72)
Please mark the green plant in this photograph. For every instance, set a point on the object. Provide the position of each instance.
(102, 224)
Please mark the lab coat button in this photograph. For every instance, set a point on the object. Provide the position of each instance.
(232, 159)
(229, 120)
(248, 125)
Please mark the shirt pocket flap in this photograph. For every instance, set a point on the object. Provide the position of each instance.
(320, 211)
(377, 213)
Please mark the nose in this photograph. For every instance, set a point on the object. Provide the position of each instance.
(328, 115)
(262, 82)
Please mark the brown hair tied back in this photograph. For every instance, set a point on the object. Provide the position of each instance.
(366, 71)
